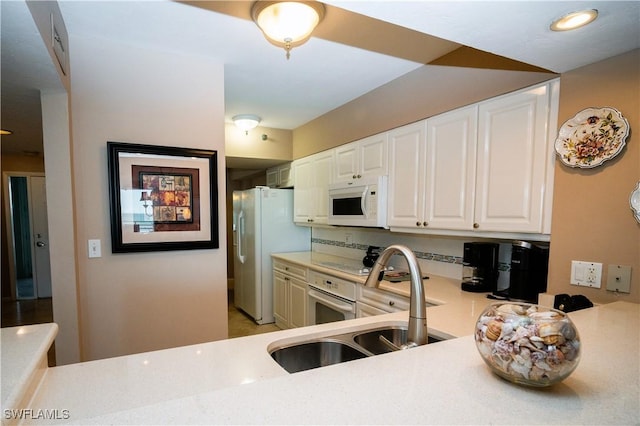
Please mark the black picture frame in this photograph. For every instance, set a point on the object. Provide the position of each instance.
(140, 207)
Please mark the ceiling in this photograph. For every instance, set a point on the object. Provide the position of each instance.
(337, 65)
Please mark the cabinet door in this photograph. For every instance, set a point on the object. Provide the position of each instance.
(406, 175)
(303, 191)
(322, 170)
(346, 162)
(373, 158)
(281, 299)
(297, 303)
(511, 164)
(451, 169)
(284, 176)
(272, 177)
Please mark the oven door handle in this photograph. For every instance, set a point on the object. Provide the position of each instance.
(330, 301)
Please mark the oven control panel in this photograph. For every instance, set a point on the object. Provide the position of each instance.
(339, 287)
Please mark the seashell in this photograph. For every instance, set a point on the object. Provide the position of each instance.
(551, 340)
(549, 315)
(494, 328)
(549, 329)
(511, 309)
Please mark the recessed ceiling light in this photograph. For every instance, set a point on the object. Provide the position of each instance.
(574, 20)
(5, 132)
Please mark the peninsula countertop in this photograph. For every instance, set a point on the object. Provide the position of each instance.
(236, 381)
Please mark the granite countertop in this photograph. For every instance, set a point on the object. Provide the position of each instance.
(236, 381)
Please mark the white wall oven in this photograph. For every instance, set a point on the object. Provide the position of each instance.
(330, 299)
(359, 203)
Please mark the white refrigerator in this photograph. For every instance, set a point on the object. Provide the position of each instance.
(262, 225)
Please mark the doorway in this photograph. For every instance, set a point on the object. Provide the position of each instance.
(27, 235)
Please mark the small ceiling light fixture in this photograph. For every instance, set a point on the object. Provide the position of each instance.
(4, 132)
(246, 122)
(574, 20)
(287, 24)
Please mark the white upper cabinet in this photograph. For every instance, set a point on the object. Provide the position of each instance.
(310, 194)
(513, 161)
(280, 176)
(407, 160)
(483, 168)
(364, 158)
(451, 169)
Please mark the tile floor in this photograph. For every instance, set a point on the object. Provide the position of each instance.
(240, 324)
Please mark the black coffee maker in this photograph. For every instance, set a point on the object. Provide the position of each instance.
(480, 267)
(529, 268)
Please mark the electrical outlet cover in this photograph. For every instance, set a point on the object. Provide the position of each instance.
(619, 278)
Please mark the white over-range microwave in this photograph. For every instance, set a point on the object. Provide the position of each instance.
(361, 202)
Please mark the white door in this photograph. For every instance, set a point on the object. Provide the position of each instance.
(451, 169)
(322, 172)
(373, 155)
(27, 229)
(42, 267)
(346, 166)
(302, 192)
(511, 166)
(406, 176)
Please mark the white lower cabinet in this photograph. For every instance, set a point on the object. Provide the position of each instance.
(289, 294)
(372, 301)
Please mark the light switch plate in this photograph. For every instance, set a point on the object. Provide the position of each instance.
(94, 248)
(619, 278)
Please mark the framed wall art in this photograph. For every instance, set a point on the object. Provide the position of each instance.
(162, 198)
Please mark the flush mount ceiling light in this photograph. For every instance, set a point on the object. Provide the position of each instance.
(287, 24)
(574, 20)
(246, 122)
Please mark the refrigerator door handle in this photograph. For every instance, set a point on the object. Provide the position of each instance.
(241, 257)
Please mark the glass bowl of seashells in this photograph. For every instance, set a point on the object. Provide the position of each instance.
(527, 344)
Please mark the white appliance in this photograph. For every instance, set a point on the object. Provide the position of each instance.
(330, 299)
(359, 203)
(262, 225)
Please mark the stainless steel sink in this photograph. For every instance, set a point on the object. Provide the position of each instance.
(314, 354)
(320, 352)
(370, 340)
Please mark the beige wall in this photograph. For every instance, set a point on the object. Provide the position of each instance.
(278, 146)
(592, 220)
(135, 302)
(422, 93)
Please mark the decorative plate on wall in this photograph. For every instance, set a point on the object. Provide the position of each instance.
(634, 202)
(592, 137)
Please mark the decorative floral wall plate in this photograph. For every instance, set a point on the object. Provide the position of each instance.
(634, 202)
(592, 137)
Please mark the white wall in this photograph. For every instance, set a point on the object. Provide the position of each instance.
(137, 302)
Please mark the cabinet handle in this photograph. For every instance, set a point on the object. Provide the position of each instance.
(354, 177)
(391, 303)
(286, 278)
(359, 176)
(476, 225)
(417, 223)
(425, 223)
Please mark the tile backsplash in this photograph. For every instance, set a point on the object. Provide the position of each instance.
(436, 255)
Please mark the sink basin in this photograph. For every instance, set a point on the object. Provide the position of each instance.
(320, 352)
(314, 354)
(370, 340)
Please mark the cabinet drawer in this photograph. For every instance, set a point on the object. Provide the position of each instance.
(290, 269)
(384, 300)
